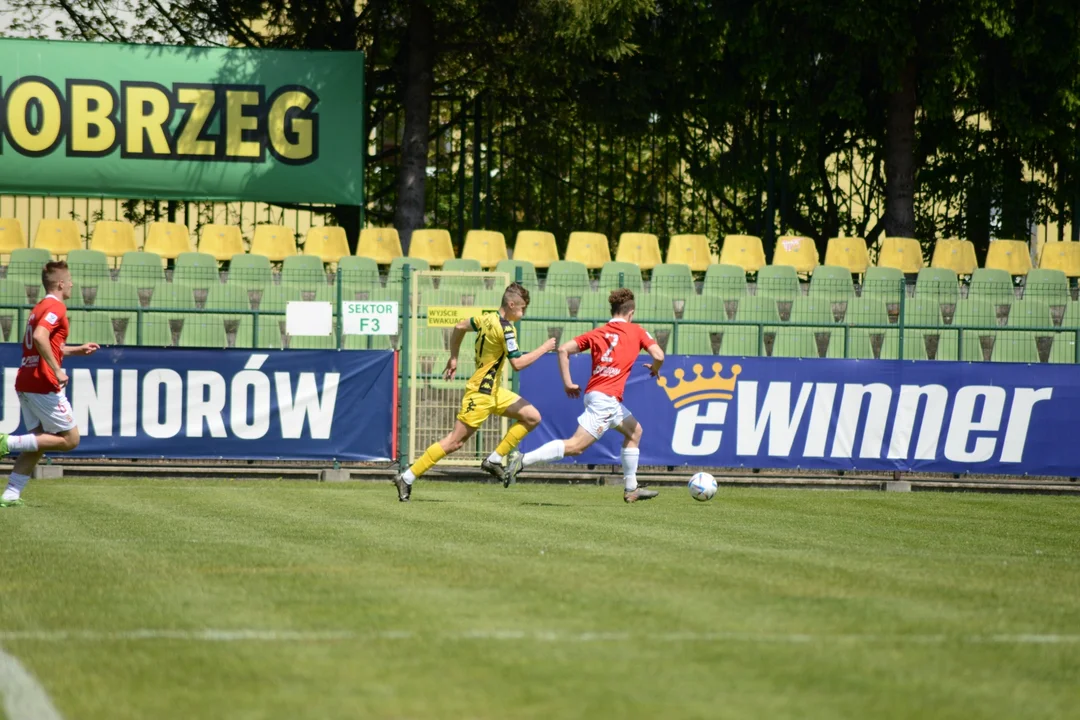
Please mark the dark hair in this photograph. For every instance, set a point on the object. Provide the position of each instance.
(516, 290)
(622, 301)
(48, 273)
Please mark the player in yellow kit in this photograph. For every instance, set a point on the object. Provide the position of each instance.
(496, 345)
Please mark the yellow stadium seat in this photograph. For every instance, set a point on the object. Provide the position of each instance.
(276, 242)
(691, 250)
(798, 252)
(537, 247)
(329, 243)
(1012, 256)
(955, 255)
(11, 235)
(59, 237)
(642, 249)
(221, 241)
(1064, 256)
(114, 238)
(745, 251)
(848, 252)
(433, 245)
(588, 248)
(168, 240)
(380, 244)
(486, 247)
(904, 254)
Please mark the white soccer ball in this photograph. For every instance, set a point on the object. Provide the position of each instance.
(702, 486)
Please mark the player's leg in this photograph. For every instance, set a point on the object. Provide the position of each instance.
(592, 424)
(511, 405)
(54, 430)
(475, 408)
(631, 452)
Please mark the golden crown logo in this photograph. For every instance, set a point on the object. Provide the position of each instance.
(700, 388)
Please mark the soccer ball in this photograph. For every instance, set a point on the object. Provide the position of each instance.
(702, 486)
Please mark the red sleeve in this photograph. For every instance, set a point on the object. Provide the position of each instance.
(647, 340)
(51, 316)
(584, 342)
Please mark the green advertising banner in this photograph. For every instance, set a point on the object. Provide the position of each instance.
(181, 123)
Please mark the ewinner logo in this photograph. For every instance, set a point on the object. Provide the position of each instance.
(868, 421)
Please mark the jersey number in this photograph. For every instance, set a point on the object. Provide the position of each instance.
(613, 342)
(28, 339)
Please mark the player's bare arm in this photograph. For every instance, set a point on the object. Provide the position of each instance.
(567, 349)
(456, 339)
(85, 349)
(42, 342)
(657, 359)
(520, 363)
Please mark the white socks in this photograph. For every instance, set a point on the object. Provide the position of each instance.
(22, 443)
(495, 458)
(548, 452)
(16, 483)
(629, 468)
(408, 477)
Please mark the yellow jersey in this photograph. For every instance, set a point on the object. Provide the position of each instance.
(495, 342)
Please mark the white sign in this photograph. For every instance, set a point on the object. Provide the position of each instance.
(309, 318)
(369, 318)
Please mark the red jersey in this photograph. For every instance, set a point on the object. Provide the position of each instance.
(615, 347)
(35, 375)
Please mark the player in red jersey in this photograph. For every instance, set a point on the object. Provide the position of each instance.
(41, 382)
(614, 349)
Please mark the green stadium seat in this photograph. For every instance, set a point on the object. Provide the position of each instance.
(757, 309)
(725, 281)
(567, 277)
(141, 269)
(360, 279)
(975, 313)
(593, 307)
(974, 345)
(795, 342)
(1064, 348)
(271, 333)
(922, 312)
(158, 329)
(313, 342)
(740, 341)
(99, 327)
(250, 271)
(303, 270)
(520, 268)
(710, 308)
(13, 292)
(1016, 347)
(778, 281)
(621, 275)
(940, 283)
(396, 274)
(672, 279)
(867, 344)
(696, 340)
(1050, 286)
(813, 311)
(652, 307)
(349, 342)
(228, 298)
(204, 331)
(994, 286)
(883, 283)
(457, 265)
(173, 296)
(1030, 313)
(88, 264)
(832, 283)
(866, 311)
(109, 294)
(663, 333)
(26, 264)
(196, 268)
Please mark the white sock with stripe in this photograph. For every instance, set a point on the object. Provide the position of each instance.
(548, 452)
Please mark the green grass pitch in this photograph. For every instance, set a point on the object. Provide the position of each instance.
(173, 599)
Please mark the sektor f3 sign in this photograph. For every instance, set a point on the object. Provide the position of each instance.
(185, 123)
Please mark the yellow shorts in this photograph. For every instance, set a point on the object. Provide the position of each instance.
(477, 407)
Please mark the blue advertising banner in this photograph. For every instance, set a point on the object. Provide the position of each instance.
(952, 417)
(240, 404)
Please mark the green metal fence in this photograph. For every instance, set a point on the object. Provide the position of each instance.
(883, 315)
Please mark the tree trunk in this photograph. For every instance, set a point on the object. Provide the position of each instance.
(419, 81)
(900, 157)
